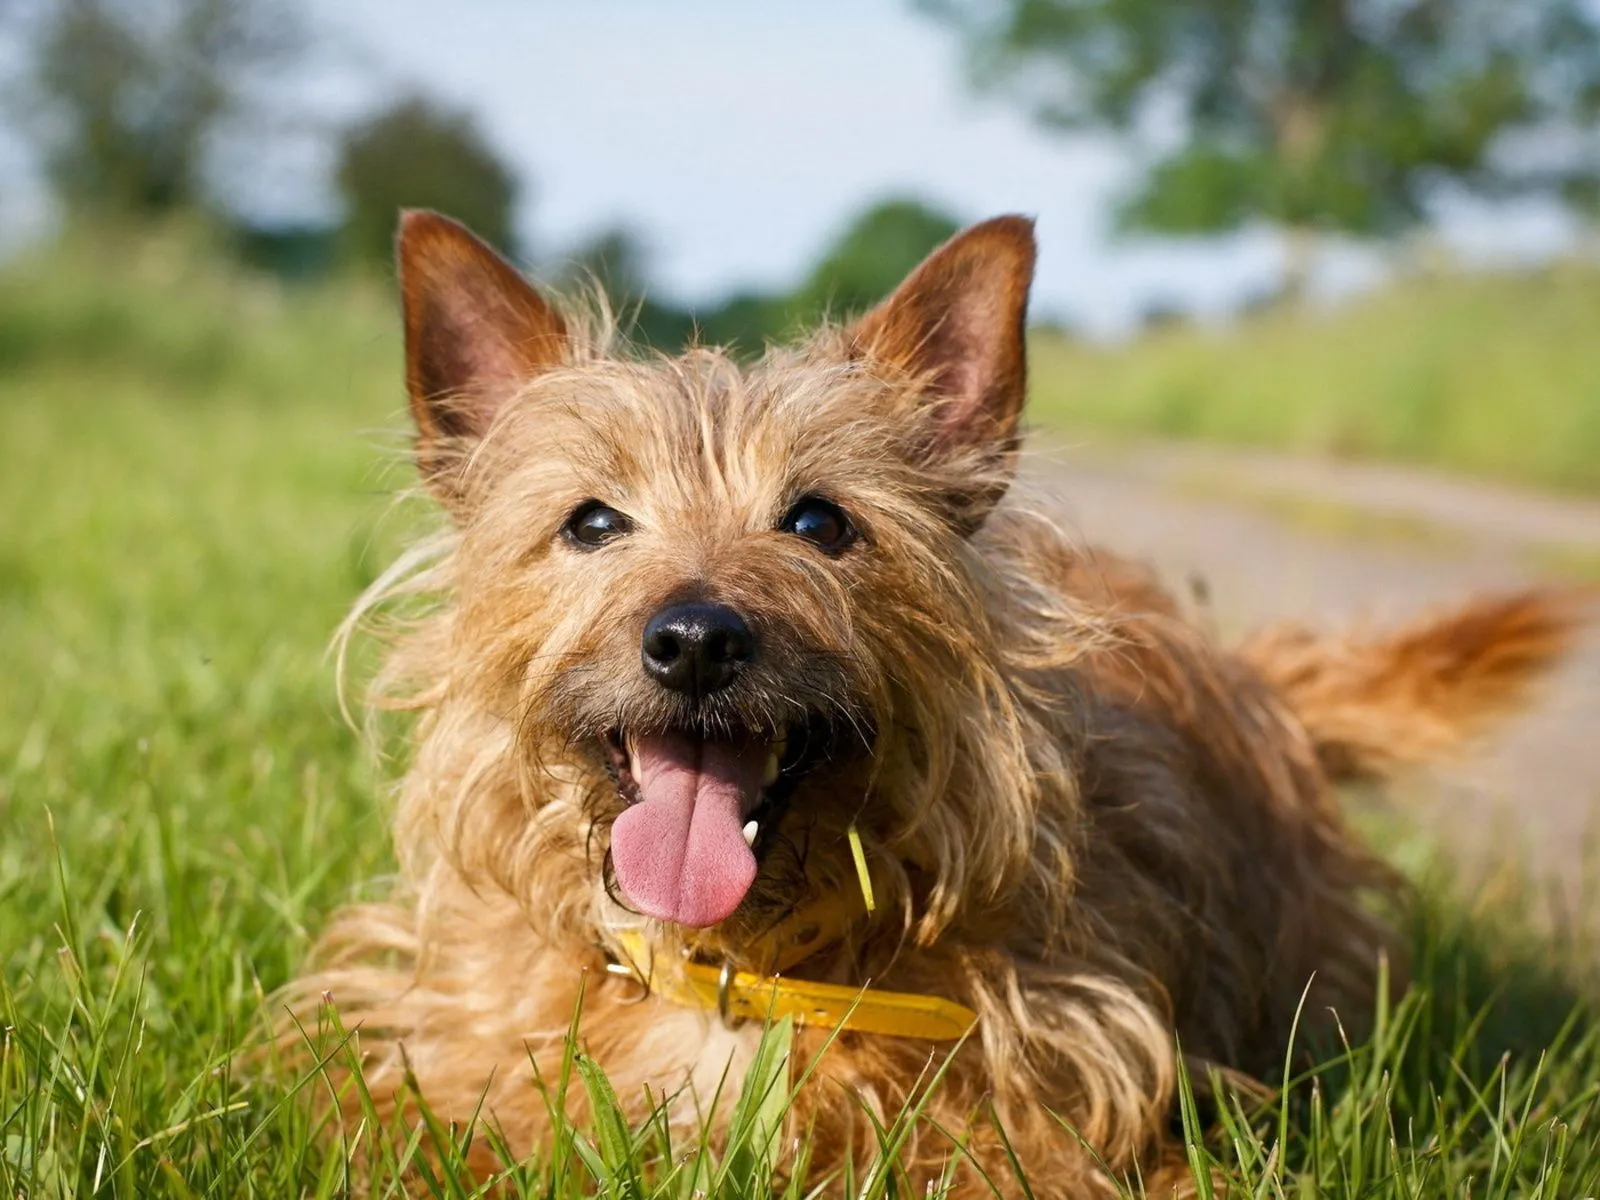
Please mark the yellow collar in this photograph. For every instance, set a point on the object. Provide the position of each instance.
(740, 995)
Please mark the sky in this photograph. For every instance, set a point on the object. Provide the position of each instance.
(738, 137)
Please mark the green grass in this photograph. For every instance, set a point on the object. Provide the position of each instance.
(1495, 375)
(196, 482)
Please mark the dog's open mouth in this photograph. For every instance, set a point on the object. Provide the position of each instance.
(699, 808)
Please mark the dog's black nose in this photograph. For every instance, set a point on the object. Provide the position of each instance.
(696, 648)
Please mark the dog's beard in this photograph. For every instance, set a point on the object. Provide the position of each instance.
(702, 787)
(683, 848)
(704, 809)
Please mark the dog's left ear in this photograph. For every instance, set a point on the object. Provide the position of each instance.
(959, 322)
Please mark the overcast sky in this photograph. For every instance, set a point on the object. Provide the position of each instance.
(738, 136)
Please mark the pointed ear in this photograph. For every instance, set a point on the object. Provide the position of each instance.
(475, 332)
(958, 322)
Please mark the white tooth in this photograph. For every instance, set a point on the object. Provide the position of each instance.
(770, 775)
(751, 828)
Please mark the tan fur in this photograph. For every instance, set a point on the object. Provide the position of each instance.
(1087, 822)
(1377, 703)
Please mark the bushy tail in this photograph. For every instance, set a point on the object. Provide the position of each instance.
(1373, 704)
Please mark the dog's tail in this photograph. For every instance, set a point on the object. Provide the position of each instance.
(1375, 704)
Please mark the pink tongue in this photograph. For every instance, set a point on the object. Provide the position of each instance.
(680, 852)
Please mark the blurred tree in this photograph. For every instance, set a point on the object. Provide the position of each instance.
(1338, 115)
(124, 97)
(617, 261)
(290, 250)
(870, 257)
(867, 260)
(873, 253)
(1159, 313)
(418, 154)
(745, 322)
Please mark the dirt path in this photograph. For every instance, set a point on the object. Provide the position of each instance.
(1274, 537)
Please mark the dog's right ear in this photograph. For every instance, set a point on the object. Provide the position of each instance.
(476, 331)
(958, 323)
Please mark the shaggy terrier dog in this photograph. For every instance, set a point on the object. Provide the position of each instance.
(710, 652)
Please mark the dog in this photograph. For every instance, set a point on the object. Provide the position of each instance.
(747, 691)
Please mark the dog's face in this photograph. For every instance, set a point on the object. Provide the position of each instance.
(721, 598)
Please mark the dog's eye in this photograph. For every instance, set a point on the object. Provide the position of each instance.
(593, 524)
(820, 522)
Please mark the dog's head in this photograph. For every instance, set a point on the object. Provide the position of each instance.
(739, 606)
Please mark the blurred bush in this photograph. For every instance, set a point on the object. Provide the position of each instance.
(1493, 373)
(861, 265)
(870, 257)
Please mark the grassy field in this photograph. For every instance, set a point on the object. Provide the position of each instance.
(196, 482)
(1493, 375)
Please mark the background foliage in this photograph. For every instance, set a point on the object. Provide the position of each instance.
(203, 425)
(1346, 117)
